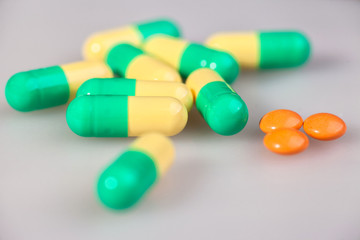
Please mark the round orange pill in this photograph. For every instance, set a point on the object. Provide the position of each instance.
(324, 126)
(286, 141)
(281, 118)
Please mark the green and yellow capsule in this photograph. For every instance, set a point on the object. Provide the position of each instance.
(263, 50)
(187, 57)
(131, 62)
(51, 86)
(140, 88)
(99, 44)
(222, 108)
(131, 175)
(125, 116)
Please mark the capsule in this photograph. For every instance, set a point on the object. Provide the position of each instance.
(99, 44)
(263, 50)
(187, 57)
(222, 108)
(124, 116)
(130, 62)
(132, 87)
(51, 86)
(131, 175)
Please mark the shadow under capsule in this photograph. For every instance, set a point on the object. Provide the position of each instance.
(196, 123)
(176, 187)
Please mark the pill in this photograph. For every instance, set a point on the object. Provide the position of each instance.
(286, 141)
(51, 86)
(263, 50)
(187, 57)
(99, 44)
(131, 175)
(132, 87)
(130, 62)
(281, 118)
(123, 116)
(221, 107)
(324, 126)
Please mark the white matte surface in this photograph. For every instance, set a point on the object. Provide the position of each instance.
(219, 187)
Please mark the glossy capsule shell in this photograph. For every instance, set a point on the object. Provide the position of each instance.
(187, 57)
(51, 86)
(130, 176)
(264, 50)
(281, 118)
(222, 108)
(140, 88)
(286, 141)
(324, 126)
(99, 44)
(123, 116)
(128, 61)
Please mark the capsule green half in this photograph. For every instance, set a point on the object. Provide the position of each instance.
(198, 56)
(98, 116)
(51, 86)
(37, 89)
(161, 26)
(135, 171)
(283, 49)
(126, 180)
(222, 108)
(107, 86)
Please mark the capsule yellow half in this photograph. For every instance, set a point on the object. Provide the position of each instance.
(146, 67)
(245, 47)
(159, 147)
(162, 114)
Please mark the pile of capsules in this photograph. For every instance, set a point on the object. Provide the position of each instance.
(131, 84)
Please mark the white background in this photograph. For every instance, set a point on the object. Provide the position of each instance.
(219, 187)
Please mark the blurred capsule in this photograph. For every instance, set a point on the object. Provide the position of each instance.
(263, 50)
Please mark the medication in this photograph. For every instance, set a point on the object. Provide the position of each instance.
(99, 44)
(281, 118)
(286, 141)
(222, 108)
(263, 49)
(132, 87)
(123, 116)
(187, 57)
(51, 86)
(324, 126)
(130, 62)
(131, 175)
